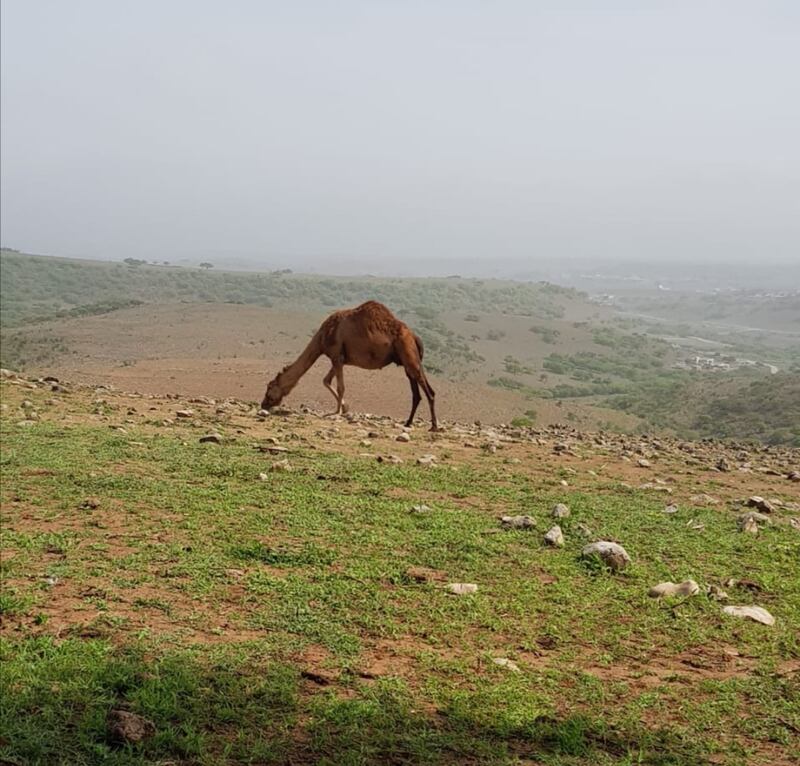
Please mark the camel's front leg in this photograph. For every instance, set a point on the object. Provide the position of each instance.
(341, 406)
(339, 396)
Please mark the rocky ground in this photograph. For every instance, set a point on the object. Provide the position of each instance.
(524, 586)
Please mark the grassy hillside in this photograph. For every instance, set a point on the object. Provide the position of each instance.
(35, 288)
(302, 617)
(764, 408)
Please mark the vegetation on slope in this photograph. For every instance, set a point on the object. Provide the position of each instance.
(36, 287)
(766, 408)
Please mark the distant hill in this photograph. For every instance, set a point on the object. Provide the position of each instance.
(42, 287)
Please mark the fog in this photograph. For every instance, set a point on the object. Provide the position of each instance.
(374, 135)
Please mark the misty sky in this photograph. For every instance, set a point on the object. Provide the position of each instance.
(303, 132)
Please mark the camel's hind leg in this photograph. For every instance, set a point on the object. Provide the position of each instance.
(408, 353)
(416, 398)
(431, 396)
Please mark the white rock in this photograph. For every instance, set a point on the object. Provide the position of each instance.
(404, 437)
(672, 508)
(757, 613)
(612, 554)
(750, 520)
(685, 588)
(426, 460)
(420, 509)
(555, 537)
(504, 662)
(282, 466)
(748, 525)
(462, 588)
(560, 511)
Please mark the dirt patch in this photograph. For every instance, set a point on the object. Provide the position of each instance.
(698, 664)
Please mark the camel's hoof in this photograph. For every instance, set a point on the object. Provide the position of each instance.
(345, 409)
(437, 429)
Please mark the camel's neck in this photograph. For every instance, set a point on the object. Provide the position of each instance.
(289, 377)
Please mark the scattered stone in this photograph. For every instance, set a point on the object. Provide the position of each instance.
(664, 589)
(419, 509)
(391, 459)
(704, 499)
(643, 463)
(794, 522)
(126, 728)
(426, 460)
(750, 585)
(756, 613)
(794, 476)
(262, 414)
(584, 530)
(759, 503)
(282, 466)
(613, 554)
(365, 443)
(263, 476)
(723, 465)
(90, 503)
(424, 574)
(184, 414)
(749, 521)
(560, 511)
(462, 588)
(273, 449)
(518, 522)
(564, 483)
(671, 508)
(748, 525)
(506, 663)
(555, 537)
(213, 438)
(715, 593)
(403, 437)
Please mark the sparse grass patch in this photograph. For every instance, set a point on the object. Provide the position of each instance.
(286, 620)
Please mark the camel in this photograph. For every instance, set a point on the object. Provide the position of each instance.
(368, 336)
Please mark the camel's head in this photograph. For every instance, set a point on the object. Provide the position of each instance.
(273, 395)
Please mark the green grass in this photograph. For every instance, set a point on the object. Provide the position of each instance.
(203, 589)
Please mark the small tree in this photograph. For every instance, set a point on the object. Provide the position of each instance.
(206, 265)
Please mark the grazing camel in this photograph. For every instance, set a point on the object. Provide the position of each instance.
(368, 336)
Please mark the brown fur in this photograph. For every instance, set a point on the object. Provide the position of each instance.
(368, 336)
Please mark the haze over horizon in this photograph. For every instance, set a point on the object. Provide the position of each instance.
(324, 135)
